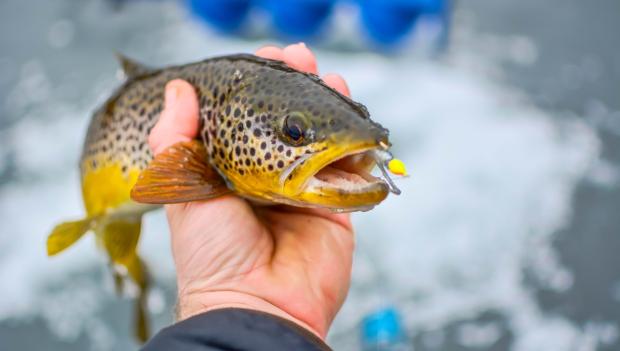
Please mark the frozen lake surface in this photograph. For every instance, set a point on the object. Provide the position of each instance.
(458, 252)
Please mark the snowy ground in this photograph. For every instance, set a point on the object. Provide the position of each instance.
(492, 181)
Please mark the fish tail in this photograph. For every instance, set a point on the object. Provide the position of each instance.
(119, 237)
(66, 234)
(138, 273)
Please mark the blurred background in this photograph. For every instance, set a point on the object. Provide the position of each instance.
(506, 236)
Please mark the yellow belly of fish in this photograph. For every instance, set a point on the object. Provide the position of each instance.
(106, 188)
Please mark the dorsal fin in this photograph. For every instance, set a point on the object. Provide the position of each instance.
(130, 67)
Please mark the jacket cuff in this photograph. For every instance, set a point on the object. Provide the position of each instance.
(236, 329)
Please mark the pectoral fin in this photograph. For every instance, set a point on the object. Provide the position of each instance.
(179, 174)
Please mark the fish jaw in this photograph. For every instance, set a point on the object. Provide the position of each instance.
(338, 178)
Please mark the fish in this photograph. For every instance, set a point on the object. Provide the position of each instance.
(268, 133)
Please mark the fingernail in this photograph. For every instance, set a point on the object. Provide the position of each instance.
(302, 44)
(172, 93)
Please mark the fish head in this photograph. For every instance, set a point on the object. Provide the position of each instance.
(300, 142)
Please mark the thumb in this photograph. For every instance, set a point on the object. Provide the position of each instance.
(179, 120)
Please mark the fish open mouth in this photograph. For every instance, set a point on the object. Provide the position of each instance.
(339, 179)
(348, 174)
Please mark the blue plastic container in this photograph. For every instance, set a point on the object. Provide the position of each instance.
(225, 15)
(383, 331)
(386, 22)
(299, 19)
(389, 22)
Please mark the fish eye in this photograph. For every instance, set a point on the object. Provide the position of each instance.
(294, 128)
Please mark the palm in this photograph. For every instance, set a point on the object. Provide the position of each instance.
(287, 256)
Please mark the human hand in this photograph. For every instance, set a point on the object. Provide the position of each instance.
(291, 262)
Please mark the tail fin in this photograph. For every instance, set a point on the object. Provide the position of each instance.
(66, 234)
(120, 237)
(137, 271)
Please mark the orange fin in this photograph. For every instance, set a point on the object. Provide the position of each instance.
(179, 174)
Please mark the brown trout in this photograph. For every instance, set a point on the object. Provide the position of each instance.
(268, 133)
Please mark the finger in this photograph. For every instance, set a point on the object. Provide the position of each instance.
(270, 52)
(337, 82)
(179, 119)
(300, 57)
(343, 219)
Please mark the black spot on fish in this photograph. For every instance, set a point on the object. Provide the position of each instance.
(257, 133)
(280, 164)
(268, 156)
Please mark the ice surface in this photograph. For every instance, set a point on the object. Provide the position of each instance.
(491, 181)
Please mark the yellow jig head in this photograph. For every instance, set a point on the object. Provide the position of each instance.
(397, 167)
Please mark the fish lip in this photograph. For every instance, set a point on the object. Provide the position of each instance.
(312, 184)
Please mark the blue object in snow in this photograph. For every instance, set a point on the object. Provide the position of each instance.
(299, 19)
(388, 22)
(382, 330)
(224, 15)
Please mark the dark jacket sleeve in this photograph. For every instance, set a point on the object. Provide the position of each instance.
(234, 329)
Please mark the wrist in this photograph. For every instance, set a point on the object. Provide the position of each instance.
(194, 304)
